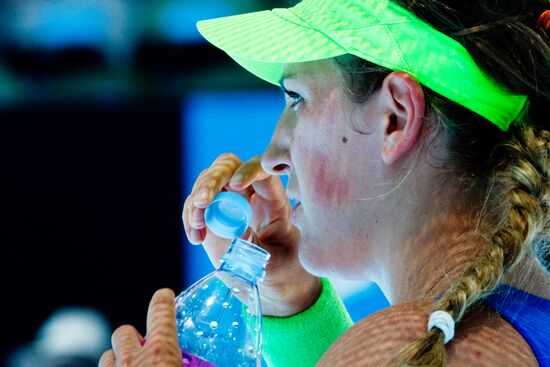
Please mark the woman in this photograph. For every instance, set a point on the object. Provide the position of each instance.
(413, 165)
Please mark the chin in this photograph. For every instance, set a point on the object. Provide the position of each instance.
(312, 260)
(324, 262)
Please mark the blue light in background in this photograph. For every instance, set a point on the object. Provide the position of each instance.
(176, 19)
(58, 24)
(112, 24)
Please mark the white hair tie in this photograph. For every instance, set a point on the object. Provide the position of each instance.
(444, 322)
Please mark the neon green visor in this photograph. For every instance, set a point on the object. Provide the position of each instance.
(379, 31)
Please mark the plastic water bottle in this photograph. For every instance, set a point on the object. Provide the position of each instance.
(219, 317)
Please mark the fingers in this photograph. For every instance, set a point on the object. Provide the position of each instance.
(264, 184)
(107, 359)
(209, 183)
(214, 179)
(161, 319)
(194, 235)
(247, 173)
(161, 347)
(126, 341)
(228, 171)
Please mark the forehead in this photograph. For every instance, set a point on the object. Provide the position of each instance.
(311, 72)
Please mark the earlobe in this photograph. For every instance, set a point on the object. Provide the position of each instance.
(390, 146)
(405, 116)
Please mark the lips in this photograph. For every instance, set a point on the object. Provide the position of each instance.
(294, 214)
(290, 192)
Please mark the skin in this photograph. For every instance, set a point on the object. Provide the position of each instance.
(373, 207)
(161, 348)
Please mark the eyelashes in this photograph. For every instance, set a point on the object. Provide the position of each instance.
(294, 97)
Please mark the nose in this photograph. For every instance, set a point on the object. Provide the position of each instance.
(276, 162)
(276, 158)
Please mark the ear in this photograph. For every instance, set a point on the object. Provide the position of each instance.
(405, 105)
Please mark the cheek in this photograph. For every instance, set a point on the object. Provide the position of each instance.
(328, 182)
(326, 158)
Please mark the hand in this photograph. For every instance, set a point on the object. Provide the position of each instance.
(271, 228)
(161, 348)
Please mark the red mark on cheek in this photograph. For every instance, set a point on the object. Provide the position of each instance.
(477, 354)
(329, 183)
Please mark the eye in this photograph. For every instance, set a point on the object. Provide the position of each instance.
(294, 97)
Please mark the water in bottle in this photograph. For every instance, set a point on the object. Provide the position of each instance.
(219, 317)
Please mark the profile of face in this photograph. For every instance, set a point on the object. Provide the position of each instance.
(332, 150)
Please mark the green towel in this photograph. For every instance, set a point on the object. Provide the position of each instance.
(300, 340)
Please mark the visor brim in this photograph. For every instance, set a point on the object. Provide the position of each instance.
(262, 42)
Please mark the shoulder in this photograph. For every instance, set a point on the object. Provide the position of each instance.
(481, 339)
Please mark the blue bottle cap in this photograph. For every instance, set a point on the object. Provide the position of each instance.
(228, 215)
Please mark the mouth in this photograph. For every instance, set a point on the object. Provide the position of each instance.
(295, 205)
(295, 214)
(292, 194)
(293, 201)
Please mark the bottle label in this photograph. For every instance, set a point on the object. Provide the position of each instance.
(191, 360)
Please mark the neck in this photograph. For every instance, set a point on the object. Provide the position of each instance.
(530, 276)
(439, 251)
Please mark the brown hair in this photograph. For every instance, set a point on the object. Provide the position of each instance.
(509, 170)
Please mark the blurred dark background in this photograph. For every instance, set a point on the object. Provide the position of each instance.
(90, 142)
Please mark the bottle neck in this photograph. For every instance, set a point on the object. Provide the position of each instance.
(245, 260)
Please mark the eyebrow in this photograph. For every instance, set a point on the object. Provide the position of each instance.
(286, 76)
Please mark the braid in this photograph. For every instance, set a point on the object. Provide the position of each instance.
(522, 177)
(525, 185)
(507, 40)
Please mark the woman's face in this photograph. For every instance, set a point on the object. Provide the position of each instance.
(330, 149)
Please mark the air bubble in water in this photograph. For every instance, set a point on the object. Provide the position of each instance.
(234, 324)
(213, 325)
(199, 333)
(236, 290)
(225, 304)
(189, 324)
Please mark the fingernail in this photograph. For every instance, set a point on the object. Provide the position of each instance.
(164, 292)
(196, 219)
(237, 179)
(202, 195)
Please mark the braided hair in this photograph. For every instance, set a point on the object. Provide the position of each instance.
(510, 171)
